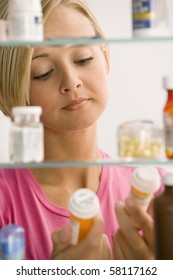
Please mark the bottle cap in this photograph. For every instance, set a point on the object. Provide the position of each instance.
(168, 82)
(26, 110)
(19, 5)
(168, 180)
(146, 179)
(35, 5)
(84, 204)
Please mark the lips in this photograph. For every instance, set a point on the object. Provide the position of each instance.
(77, 104)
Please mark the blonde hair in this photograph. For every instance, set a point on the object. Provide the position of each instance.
(15, 62)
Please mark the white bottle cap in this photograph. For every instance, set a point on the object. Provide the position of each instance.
(26, 110)
(168, 82)
(19, 5)
(84, 204)
(168, 180)
(146, 179)
(35, 5)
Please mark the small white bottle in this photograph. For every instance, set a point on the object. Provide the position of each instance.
(144, 182)
(27, 134)
(25, 20)
(5, 144)
(36, 20)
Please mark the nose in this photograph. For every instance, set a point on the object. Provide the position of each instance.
(70, 82)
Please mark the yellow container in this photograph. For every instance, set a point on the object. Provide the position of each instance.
(83, 206)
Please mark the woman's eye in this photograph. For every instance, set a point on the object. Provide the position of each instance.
(84, 61)
(43, 76)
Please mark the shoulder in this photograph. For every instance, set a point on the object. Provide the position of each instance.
(116, 170)
(11, 178)
(115, 180)
(7, 174)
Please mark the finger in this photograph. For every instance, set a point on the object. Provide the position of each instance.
(150, 208)
(143, 219)
(105, 249)
(118, 254)
(61, 240)
(135, 242)
(89, 248)
(122, 247)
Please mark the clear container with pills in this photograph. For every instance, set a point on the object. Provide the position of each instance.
(140, 140)
(83, 206)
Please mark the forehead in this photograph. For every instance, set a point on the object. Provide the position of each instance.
(67, 22)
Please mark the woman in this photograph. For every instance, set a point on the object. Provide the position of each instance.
(70, 83)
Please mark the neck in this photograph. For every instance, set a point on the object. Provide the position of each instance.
(74, 146)
(71, 146)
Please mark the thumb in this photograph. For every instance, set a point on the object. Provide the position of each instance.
(61, 240)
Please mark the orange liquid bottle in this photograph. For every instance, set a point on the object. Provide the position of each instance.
(163, 217)
(168, 117)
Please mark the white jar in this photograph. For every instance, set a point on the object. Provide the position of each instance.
(25, 20)
(151, 18)
(5, 144)
(27, 134)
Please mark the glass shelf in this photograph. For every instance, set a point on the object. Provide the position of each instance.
(102, 162)
(84, 41)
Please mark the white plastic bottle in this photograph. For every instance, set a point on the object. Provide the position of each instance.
(5, 144)
(27, 134)
(144, 182)
(12, 242)
(36, 20)
(25, 20)
(151, 18)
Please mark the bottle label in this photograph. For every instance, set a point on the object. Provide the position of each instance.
(75, 227)
(150, 14)
(168, 131)
(143, 14)
(28, 144)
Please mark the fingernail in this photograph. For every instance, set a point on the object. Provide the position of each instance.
(130, 202)
(119, 205)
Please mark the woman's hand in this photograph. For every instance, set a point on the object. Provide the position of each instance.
(129, 243)
(94, 247)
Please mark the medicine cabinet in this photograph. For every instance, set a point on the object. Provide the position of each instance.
(82, 41)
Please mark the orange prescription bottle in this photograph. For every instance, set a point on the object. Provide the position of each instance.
(168, 117)
(83, 206)
(144, 182)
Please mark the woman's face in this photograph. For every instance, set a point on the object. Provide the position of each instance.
(69, 82)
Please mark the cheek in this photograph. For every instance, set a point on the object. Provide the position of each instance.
(101, 84)
(40, 96)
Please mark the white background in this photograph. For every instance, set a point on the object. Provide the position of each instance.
(136, 72)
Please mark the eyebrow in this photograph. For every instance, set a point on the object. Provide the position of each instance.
(40, 55)
(46, 54)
